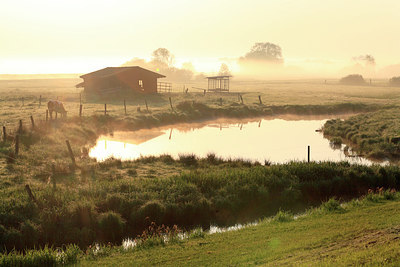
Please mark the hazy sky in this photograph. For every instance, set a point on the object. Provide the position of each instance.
(50, 36)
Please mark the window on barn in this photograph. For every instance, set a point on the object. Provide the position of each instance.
(141, 84)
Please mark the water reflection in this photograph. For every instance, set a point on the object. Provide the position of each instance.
(275, 140)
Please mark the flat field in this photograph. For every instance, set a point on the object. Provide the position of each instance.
(88, 201)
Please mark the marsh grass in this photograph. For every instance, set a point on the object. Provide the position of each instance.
(374, 134)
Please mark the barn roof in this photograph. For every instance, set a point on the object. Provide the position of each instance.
(110, 71)
(219, 77)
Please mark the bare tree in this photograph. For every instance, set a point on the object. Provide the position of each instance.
(224, 70)
(369, 60)
(163, 56)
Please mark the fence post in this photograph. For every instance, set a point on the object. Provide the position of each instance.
(105, 109)
(308, 156)
(71, 154)
(259, 98)
(4, 134)
(16, 145)
(170, 103)
(147, 107)
(30, 194)
(20, 126)
(40, 100)
(80, 110)
(53, 177)
(33, 122)
(125, 106)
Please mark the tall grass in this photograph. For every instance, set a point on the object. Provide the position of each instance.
(111, 209)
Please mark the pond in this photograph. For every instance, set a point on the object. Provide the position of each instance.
(277, 140)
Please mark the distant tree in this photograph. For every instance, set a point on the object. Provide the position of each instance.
(162, 61)
(394, 81)
(163, 56)
(267, 52)
(367, 59)
(353, 79)
(224, 70)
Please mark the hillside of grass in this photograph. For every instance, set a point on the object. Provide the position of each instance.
(374, 134)
(361, 232)
(364, 231)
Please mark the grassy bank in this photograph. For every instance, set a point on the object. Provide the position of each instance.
(105, 202)
(361, 231)
(374, 134)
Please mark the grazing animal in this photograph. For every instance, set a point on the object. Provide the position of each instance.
(57, 107)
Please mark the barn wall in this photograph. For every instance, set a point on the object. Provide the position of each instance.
(127, 81)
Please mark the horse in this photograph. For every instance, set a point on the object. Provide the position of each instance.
(56, 106)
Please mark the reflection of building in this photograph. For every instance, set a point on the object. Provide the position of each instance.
(218, 83)
(135, 137)
(114, 80)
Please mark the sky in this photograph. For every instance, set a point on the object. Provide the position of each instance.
(78, 36)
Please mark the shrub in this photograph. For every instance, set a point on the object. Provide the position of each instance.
(188, 159)
(394, 81)
(353, 79)
(197, 233)
(283, 216)
(111, 226)
(337, 141)
(332, 205)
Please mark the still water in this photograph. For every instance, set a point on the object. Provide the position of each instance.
(276, 140)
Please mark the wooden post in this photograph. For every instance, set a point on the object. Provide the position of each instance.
(30, 194)
(20, 126)
(147, 107)
(170, 103)
(71, 154)
(4, 134)
(16, 145)
(125, 106)
(80, 110)
(308, 156)
(105, 109)
(47, 115)
(40, 100)
(259, 98)
(33, 122)
(53, 177)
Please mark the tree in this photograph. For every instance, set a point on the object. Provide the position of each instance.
(163, 56)
(224, 70)
(394, 81)
(267, 52)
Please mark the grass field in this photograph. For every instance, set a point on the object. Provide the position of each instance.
(360, 233)
(107, 201)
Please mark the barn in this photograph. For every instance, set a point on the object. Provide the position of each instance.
(114, 80)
